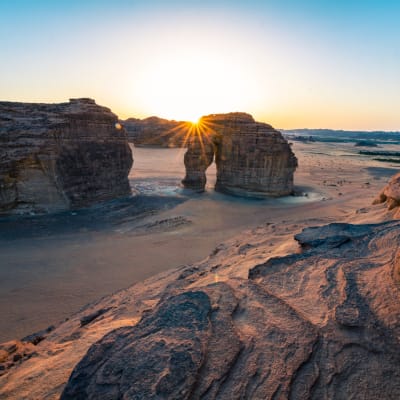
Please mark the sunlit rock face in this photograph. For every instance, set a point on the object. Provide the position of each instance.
(252, 158)
(391, 195)
(322, 323)
(59, 156)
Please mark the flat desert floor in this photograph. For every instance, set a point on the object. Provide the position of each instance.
(51, 266)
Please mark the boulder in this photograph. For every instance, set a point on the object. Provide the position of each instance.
(168, 352)
(391, 194)
(59, 156)
(252, 158)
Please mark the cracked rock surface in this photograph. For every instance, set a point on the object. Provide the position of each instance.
(322, 323)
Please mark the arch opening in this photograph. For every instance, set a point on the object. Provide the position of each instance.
(252, 158)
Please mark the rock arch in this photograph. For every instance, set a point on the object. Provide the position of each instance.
(252, 158)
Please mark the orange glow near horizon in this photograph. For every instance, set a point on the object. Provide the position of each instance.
(186, 133)
(195, 82)
(182, 62)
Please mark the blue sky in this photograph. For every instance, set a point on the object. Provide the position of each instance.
(290, 63)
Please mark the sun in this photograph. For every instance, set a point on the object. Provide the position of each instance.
(195, 121)
(192, 80)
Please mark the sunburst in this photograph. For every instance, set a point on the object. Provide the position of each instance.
(200, 132)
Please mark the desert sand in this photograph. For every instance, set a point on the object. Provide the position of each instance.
(52, 266)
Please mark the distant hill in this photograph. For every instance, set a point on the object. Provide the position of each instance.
(154, 131)
(159, 132)
(330, 135)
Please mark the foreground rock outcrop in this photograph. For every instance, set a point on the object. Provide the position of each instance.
(59, 156)
(391, 195)
(319, 324)
(252, 158)
(156, 132)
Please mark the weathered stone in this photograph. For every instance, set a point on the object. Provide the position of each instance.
(157, 132)
(330, 236)
(14, 352)
(321, 324)
(59, 156)
(252, 158)
(87, 319)
(37, 337)
(350, 295)
(163, 363)
(391, 195)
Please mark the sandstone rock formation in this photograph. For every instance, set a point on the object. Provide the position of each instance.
(198, 157)
(320, 324)
(252, 158)
(157, 132)
(14, 352)
(59, 156)
(391, 194)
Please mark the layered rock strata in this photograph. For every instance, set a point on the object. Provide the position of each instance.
(391, 195)
(156, 132)
(252, 158)
(59, 156)
(320, 324)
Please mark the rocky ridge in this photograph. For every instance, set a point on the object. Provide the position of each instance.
(155, 132)
(316, 320)
(252, 158)
(59, 156)
(320, 324)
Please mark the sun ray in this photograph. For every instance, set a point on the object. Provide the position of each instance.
(200, 137)
(178, 131)
(187, 136)
(201, 131)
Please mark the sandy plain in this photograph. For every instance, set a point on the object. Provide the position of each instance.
(51, 266)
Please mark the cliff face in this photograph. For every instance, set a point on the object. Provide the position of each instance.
(321, 324)
(252, 158)
(59, 156)
(154, 131)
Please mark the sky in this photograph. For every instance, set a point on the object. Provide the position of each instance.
(291, 63)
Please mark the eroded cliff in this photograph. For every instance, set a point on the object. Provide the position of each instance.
(59, 156)
(252, 158)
